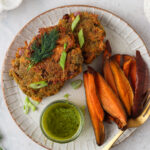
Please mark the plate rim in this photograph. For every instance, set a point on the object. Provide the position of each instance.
(63, 6)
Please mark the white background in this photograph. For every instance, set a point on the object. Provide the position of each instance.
(12, 21)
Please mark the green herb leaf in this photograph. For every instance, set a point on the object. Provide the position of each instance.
(76, 84)
(75, 22)
(67, 96)
(30, 66)
(38, 85)
(1, 148)
(26, 109)
(27, 101)
(32, 106)
(63, 59)
(35, 102)
(65, 46)
(44, 50)
(28, 105)
(81, 38)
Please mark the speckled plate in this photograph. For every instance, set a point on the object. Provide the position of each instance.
(123, 39)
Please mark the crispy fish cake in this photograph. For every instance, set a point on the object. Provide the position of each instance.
(94, 33)
(48, 69)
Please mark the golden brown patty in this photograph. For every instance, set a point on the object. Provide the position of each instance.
(94, 33)
(49, 69)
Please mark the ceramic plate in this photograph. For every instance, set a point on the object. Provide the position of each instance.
(123, 39)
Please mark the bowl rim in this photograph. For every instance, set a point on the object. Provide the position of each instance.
(80, 128)
(63, 6)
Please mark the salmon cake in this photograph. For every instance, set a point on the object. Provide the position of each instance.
(93, 31)
(37, 67)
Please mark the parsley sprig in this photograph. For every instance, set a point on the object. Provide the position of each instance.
(43, 50)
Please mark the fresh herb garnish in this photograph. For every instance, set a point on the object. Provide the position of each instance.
(26, 108)
(1, 148)
(75, 22)
(67, 96)
(65, 46)
(63, 57)
(32, 106)
(76, 84)
(30, 66)
(43, 50)
(81, 38)
(28, 105)
(38, 85)
(35, 102)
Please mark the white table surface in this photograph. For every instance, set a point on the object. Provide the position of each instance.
(12, 21)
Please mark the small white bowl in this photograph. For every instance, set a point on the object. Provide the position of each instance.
(147, 9)
(9, 4)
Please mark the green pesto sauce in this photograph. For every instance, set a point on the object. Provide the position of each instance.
(60, 121)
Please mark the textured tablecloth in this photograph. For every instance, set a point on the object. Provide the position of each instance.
(11, 22)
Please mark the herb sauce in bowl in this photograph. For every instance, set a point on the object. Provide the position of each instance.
(62, 121)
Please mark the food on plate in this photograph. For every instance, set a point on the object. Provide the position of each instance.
(76, 84)
(141, 86)
(54, 55)
(75, 22)
(137, 74)
(66, 96)
(123, 86)
(118, 78)
(126, 64)
(109, 77)
(94, 107)
(132, 74)
(92, 29)
(116, 92)
(107, 72)
(118, 59)
(36, 67)
(62, 60)
(28, 105)
(81, 38)
(110, 101)
(107, 52)
(91, 95)
(62, 121)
